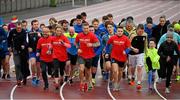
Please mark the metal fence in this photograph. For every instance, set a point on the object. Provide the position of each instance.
(17, 5)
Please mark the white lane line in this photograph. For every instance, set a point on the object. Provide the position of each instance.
(14, 88)
(129, 12)
(74, 11)
(162, 12)
(12, 92)
(61, 89)
(68, 15)
(173, 16)
(109, 92)
(155, 87)
(117, 10)
(148, 11)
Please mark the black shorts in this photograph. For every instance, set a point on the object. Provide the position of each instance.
(120, 64)
(107, 59)
(72, 58)
(86, 62)
(95, 61)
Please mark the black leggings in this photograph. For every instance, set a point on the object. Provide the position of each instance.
(46, 66)
(58, 65)
(168, 70)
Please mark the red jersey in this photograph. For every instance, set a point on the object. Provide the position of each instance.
(44, 44)
(119, 45)
(59, 50)
(83, 39)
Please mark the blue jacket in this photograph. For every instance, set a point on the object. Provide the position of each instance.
(105, 39)
(78, 28)
(3, 43)
(148, 31)
(73, 49)
(103, 29)
(98, 33)
(98, 50)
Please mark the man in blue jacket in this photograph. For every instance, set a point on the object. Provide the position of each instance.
(3, 48)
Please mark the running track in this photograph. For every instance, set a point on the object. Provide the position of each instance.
(140, 9)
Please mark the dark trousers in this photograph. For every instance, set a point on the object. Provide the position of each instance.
(21, 65)
(46, 66)
(162, 70)
(59, 66)
(168, 71)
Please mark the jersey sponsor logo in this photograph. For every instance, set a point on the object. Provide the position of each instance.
(118, 42)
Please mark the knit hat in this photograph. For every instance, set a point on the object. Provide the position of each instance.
(177, 27)
(149, 20)
(14, 19)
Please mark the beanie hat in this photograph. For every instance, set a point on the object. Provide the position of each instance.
(149, 20)
(177, 27)
(14, 19)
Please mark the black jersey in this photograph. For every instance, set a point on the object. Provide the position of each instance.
(139, 43)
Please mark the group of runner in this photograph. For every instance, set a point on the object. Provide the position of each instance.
(58, 48)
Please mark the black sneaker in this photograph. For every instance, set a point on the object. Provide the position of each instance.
(18, 83)
(8, 76)
(45, 88)
(24, 81)
(66, 78)
(124, 75)
(70, 81)
(4, 76)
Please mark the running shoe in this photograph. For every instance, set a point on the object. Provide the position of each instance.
(37, 81)
(18, 83)
(93, 81)
(167, 90)
(34, 81)
(81, 86)
(115, 87)
(90, 87)
(85, 87)
(111, 85)
(3, 76)
(8, 76)
(139, 87)
(66, 78)
(70, 81)
(24, 81)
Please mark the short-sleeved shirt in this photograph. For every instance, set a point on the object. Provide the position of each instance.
(59, 50)
(44, 44)
(119, 45)
(83, 39)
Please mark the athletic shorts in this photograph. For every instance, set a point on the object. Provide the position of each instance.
(95, 61)
(136, 60)
(72, 58)
(120, 64)
(86, 62)
(33, 55)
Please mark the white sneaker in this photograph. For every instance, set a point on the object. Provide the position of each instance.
(167, 91)
(159, 80)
